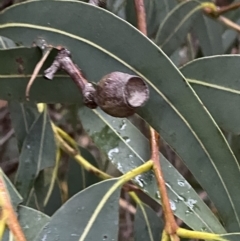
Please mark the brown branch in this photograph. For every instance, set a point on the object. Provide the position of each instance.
(63, 61)
(170, 223)
(229, 23)
(225, 9)
(141, 16)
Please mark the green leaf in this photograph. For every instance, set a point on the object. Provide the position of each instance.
(174, 28)
(216, 81)
(78, 178)
(147, 225)
(127, 149)
(83, 209)
(22, 116)
(15, 197)
(156, 11)
(42, 90)
(209, 34)
(173, 109)
(31, 222)
(55, 201)
(38, 152)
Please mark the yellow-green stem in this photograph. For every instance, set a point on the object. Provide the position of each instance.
(122, 180)
(184, 233)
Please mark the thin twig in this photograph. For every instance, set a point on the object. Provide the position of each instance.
(64, 61)
(6, 137)
(170, 223)
(141, 16)
(36, 71)
(225, 9)
(229, 23)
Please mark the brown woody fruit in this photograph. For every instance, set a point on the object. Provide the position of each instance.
(120, 94)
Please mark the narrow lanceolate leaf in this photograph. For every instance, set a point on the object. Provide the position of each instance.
(209, 34)
(217, 82)
(15, 197)
(228, 38)
(78, 178)
(147, 225)
(173, 108)
(22, 116)
(38, 152)
(174, 28)
(127, 148)
(89, 212)
(31, 222)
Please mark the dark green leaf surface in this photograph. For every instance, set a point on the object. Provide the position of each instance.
(17, 68)
(38, 152)
(217, 82)
(70, 221)
(147, 225)
(173, 109)
(78, 178)
(209, 34)
(31, 222)
(174, 28)
(127, 149)
(22, 116)
(55, 201)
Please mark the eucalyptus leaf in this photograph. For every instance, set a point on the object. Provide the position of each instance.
(228, 38)
(174, 28)
(173, 109)
(127, 149)
(220, 89)
(83, 209)
(78, 178)
(55, 200)
(23, 116)
(147, 225)
(209, 34)
(38, 152)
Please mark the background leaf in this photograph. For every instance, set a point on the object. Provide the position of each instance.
(69, 222)
(22, 116)
(219, 90)
(174, 28)
(38, 152)
(78, 178)
(209, 34)
(147, 225)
